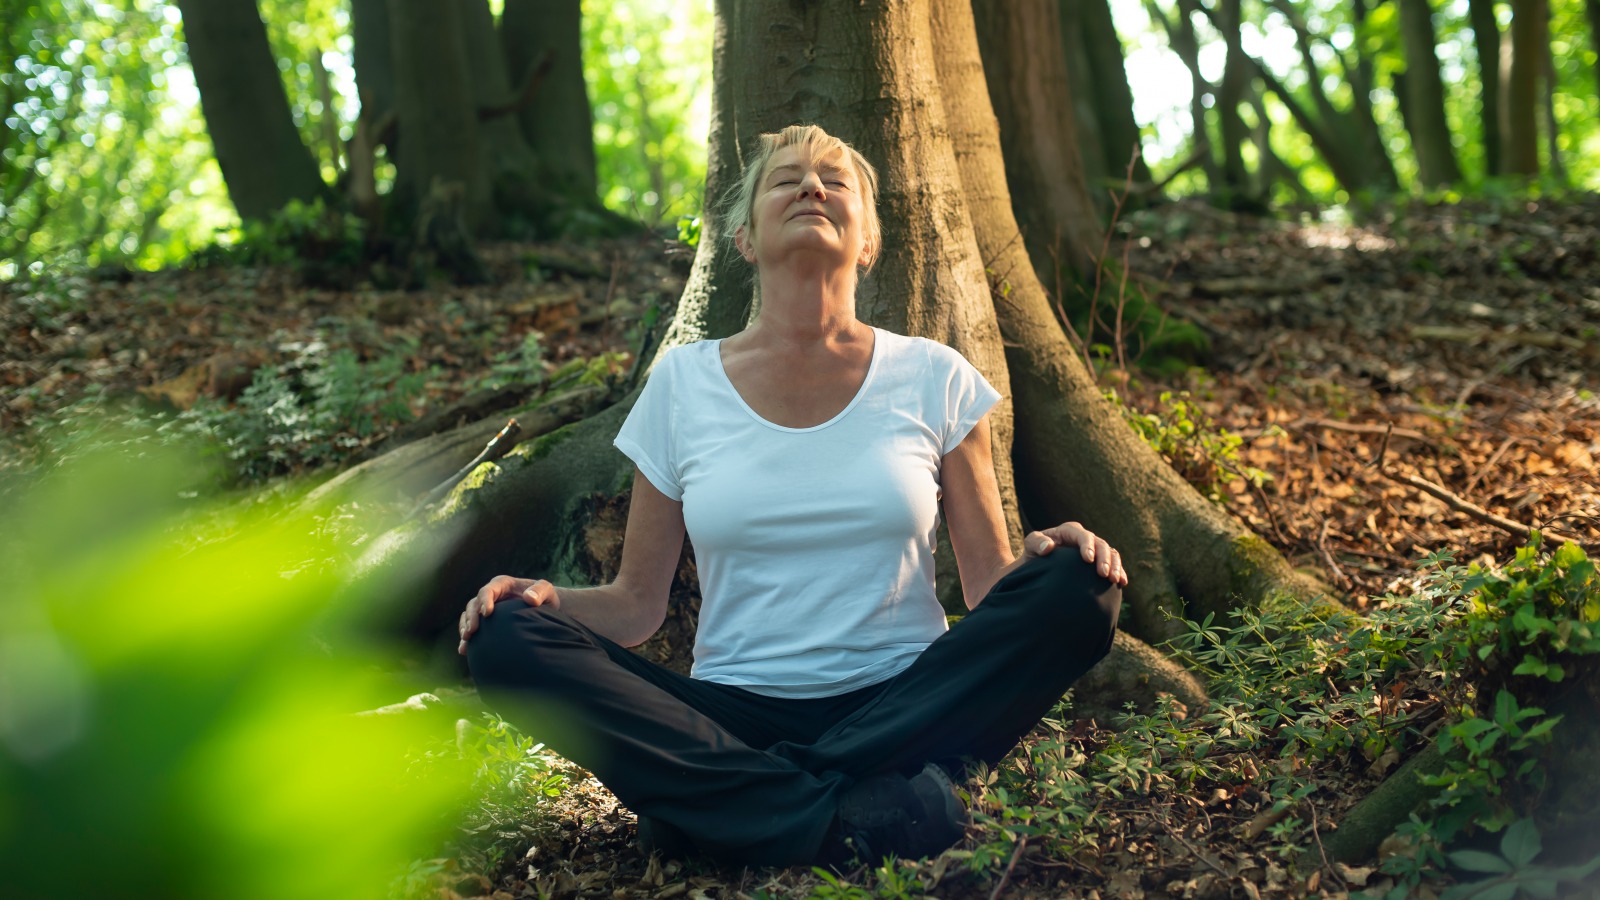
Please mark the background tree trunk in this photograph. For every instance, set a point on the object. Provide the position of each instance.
(1591, 9)
(1234, 90)
(1113, 98)
(263, 160)
(1430, 131)
(509, 163)
(557, 125)
(441, 176)
(1024, 67)
(1184, 42)
(1098, 169)
(1486, 41)
(1519, 110)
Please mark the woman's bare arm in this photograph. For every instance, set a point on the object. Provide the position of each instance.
(631, 607)
(977, 523)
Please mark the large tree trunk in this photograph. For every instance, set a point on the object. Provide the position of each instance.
(263, 160)
(867, 71)
(1519, 109)
(1075, 457)
(373, 55)
(557, 125)
(1430, 131)
(1486, 41)
(1024, 66)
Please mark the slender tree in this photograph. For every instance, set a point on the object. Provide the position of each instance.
(1486, 42)
(1519, 111)
(1424, 94)
(263, 160)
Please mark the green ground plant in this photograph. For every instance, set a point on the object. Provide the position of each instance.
(1203, 452)
(1302, 702)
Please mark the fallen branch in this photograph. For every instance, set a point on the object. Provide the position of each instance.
(498, 446)
(1547, 340)
(1477, 512)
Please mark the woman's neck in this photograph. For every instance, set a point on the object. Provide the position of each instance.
(806, 306)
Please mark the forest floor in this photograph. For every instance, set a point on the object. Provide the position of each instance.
(1457, 345)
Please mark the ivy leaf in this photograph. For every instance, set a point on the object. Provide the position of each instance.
(1521, 843)
(1479, 861)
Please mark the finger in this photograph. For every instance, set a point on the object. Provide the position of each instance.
(1087, 546)
(1037, 544)
(538, 593)
(1103, 553)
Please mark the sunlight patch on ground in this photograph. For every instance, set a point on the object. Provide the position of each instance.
(1343, 237)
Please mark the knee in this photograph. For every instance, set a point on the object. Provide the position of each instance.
(507, 644)
(1077, 604)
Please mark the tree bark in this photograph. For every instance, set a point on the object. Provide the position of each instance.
(1519, 110)
(1024, 67)
(1591, 9)
(1486, 41)
(263, 160)
(438, 113)
(557, 125)
(1430, 131)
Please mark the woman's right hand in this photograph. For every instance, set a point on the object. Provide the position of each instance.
(536, 591)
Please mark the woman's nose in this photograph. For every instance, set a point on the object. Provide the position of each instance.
(811, 185)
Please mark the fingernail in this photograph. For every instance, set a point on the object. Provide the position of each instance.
(1045, 544)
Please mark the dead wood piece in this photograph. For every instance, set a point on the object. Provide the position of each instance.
(498, 446)
(1380, 813)
(1358, 428)
(1467, 335)
(1253, 284)
(413, 468)
(1477, 512)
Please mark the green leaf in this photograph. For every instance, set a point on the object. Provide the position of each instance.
(1521, 843)
(1479, 861)
(1531, 665)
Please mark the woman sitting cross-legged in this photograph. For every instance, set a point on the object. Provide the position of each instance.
(808, 457)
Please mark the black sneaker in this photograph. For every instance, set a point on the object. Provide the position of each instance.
(890, 814)
(656, 836)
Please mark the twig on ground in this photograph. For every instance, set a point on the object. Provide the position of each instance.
(1195, 850)
(1327, 557)
(1489, 465)
(1005, 877)
(1316, 834)
(498, 446)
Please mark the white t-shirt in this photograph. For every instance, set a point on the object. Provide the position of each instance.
(814, 545)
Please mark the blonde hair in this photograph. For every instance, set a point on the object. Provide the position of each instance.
(815, 144)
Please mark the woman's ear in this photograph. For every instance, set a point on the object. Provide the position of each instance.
(868, 254)
(741, 239)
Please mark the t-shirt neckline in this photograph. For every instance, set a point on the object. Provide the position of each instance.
(872, 367)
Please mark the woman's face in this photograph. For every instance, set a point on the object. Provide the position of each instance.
(806, 206)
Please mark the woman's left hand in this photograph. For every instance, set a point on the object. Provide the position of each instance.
(1107, 561)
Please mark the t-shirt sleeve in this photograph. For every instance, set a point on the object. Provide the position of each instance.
(968, 396)
(646, 435)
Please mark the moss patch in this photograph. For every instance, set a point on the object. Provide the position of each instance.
(541, 446)
(460, 497)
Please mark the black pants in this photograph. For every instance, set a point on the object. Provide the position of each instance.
(756, 779)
